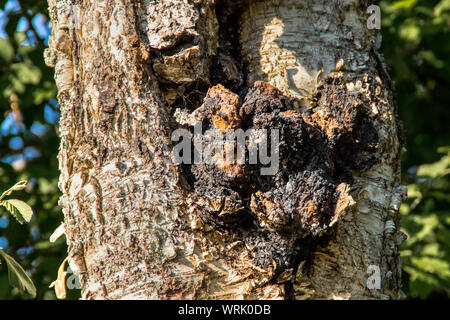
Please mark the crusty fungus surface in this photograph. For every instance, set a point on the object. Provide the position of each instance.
(281, 217)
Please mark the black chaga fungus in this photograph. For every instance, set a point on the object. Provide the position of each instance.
(309, 190)
(342, 115)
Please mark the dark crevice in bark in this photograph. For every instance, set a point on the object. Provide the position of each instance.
(383, 72)
(182, 42)
(303, 252)
(227, 68)
(193, 94)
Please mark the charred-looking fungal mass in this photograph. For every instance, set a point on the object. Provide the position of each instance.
(280, 217)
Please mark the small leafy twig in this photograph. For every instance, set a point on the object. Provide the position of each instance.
(18, 209)
(17, 276)
(22, 212)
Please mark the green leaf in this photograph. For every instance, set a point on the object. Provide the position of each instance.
(404, 4)
(433, 249)
(19, 209)
(441, 7)
(17, 276)
(435, 169)
(27, 73)
(7, 52)
(438, 267)
(444, 149)
(430, 57)
(410, 32)
(414, 191)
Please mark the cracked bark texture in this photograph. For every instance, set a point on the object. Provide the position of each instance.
(140, 227)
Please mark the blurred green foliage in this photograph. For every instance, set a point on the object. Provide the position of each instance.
(28, 147)
(416, 47)
(426, 222)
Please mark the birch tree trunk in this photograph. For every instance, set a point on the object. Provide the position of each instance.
(138, 225)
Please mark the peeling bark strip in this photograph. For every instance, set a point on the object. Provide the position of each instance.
(130, 73)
